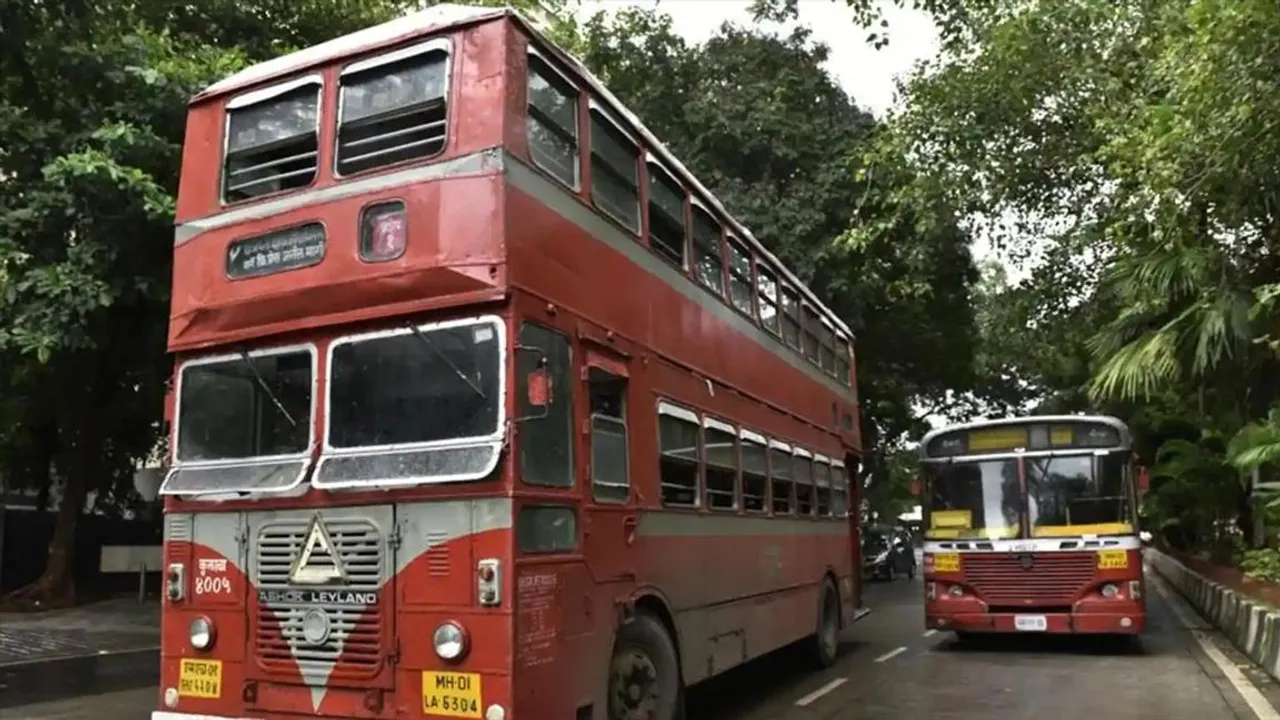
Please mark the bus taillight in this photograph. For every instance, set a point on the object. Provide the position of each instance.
(489, 582)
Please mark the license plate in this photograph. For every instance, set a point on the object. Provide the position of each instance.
(1113, 559)
(450, 694)
(946, 562)
(1030, 623)
(200, 678)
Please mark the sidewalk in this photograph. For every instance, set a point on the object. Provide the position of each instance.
(103, 628)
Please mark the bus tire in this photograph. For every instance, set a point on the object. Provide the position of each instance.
(644, 672)
(826, 641)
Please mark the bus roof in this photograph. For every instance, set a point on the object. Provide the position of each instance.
(440, 18)
(1122, 430)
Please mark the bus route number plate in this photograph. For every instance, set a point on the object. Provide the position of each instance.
(451, 694)
(1113, 559)
(1030, 623)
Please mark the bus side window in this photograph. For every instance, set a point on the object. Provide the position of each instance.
(679, 464)
(780, 476)
(546, 529)
(546, 441)
(610, 481)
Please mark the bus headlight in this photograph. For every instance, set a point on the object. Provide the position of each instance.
(1109, 591)
(450, 641)
(201, 633)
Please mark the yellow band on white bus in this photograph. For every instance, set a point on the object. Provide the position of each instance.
(968, 534)
(1113, 528)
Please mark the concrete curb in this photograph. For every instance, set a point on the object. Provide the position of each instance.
(1253, 627)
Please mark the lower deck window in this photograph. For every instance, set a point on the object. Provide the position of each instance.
(823, 501)
(722, 468)
(839, 502)
(678, 462)
(780, 479)
(755, 476)
(546, 529)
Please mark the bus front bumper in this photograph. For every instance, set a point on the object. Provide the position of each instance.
(1089, 623)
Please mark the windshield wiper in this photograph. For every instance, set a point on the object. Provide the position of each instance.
(262, 383)
(432, 346)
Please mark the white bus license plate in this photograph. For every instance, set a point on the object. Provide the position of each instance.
(1030, 623)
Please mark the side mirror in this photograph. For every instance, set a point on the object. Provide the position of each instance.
(536, 379)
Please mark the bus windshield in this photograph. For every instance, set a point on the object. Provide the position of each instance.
(1078, 494)
(977, 499)
(243, 422)
(419, 404)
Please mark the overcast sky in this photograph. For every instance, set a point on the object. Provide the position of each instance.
(866, 74)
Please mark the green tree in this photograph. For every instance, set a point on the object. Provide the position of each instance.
(92, 109)
(1126, 149)
(756, 118)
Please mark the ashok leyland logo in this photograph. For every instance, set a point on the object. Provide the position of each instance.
(319, 562)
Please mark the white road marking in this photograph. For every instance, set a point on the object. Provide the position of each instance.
(894, 653)
(808, 699)
(927, 633)
(1256, 701)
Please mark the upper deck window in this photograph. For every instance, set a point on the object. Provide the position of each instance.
(272, 142)
(708, 263)
(826, 348)
(552, 122)
(414, 405)
(791, 317)
(811, 330)
(842, 358)
(615, 172)
(666, 215)
(767, 296)
(392, 108)
(740, 277)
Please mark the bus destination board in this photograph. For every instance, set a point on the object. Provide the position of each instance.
(289, 249)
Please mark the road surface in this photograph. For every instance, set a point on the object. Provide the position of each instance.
(890, 669)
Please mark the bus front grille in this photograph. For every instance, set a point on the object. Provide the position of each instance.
(1053, 579)
(310, 626)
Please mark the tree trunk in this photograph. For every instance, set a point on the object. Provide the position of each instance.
(56, 586)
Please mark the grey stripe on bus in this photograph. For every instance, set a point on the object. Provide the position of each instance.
(423, 525)
(550, 194)
(554, 196)
(666, 523)
(479, 163)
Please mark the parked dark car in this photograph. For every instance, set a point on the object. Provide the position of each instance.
(887, 554)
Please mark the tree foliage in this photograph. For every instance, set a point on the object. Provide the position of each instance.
(757, 119)
(1123, 154)
(92, 106)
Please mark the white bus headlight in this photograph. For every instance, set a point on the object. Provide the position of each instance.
(201, 633)
(450, 641)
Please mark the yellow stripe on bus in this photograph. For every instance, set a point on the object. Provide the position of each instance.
(979, 534)
(1094, 529)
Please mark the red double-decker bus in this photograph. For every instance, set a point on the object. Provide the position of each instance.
(1031, 525)
(484, 407)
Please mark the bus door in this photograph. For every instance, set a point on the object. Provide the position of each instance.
(610, 519)
(853, 495)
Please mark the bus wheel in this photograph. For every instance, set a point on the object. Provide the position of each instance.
(826, 642)
(644, 675)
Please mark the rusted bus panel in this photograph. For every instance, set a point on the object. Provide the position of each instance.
(454, 253)
(476, 114)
